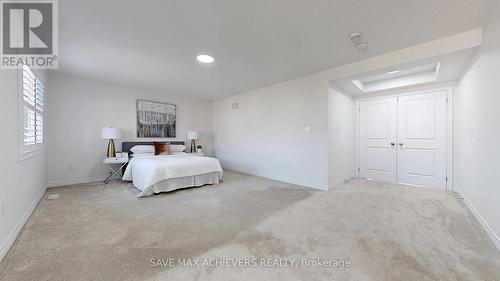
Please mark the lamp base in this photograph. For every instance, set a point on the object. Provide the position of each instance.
(193, 146)
(111, 149)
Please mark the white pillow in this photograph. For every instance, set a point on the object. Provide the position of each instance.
(143, 149)
(137, 155)
(177, 148)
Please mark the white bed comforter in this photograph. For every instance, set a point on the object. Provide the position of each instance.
(146, 171)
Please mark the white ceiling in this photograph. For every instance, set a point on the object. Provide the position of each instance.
(255, 43)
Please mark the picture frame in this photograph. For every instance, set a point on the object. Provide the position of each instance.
(156, 119)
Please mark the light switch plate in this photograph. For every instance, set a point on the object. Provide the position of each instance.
(2, 210)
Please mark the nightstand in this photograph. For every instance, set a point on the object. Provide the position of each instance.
(112, 163)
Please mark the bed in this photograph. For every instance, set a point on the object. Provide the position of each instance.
(164, 173)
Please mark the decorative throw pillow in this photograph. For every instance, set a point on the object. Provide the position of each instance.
(162, 148)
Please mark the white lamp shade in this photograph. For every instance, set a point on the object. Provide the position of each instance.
(111, 133)
(193, 135)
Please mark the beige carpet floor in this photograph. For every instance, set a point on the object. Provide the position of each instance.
(382, 231)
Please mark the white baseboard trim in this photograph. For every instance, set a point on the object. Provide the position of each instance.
(13, 235)
(323, 187)
(491, 234)
(339, 182)
(74, 181)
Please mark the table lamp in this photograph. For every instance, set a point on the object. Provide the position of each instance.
(193, 135)
(111, 134)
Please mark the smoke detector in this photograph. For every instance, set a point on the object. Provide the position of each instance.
(361, 46)
(355, 37)
(357, 41)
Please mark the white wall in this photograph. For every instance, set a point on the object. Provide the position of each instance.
(477, 138)
(266, 135)
(342, 137)
(23, 182)
(78, 108)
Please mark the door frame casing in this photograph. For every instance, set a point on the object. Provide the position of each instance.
(450, 92)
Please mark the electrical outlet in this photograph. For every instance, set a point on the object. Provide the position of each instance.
(2, 210)
(53, 196)
(486, 195)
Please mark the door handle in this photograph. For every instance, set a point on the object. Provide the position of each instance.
(401, 144)
(393, 144)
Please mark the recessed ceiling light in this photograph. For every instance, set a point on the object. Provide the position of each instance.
(205, 58)
(393, 72)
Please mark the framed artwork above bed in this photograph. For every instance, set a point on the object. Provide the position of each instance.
(155, 119)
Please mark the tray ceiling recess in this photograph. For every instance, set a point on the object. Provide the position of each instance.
(397, 78)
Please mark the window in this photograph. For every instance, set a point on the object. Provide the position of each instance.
(32, 112)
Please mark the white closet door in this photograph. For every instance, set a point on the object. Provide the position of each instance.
(422, 139)
(377, 138)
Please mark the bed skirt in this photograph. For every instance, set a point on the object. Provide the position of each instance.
(185, 182)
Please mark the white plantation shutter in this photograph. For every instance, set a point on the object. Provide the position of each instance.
(33, 100)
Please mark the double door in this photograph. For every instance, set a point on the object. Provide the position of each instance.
(403, 139)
